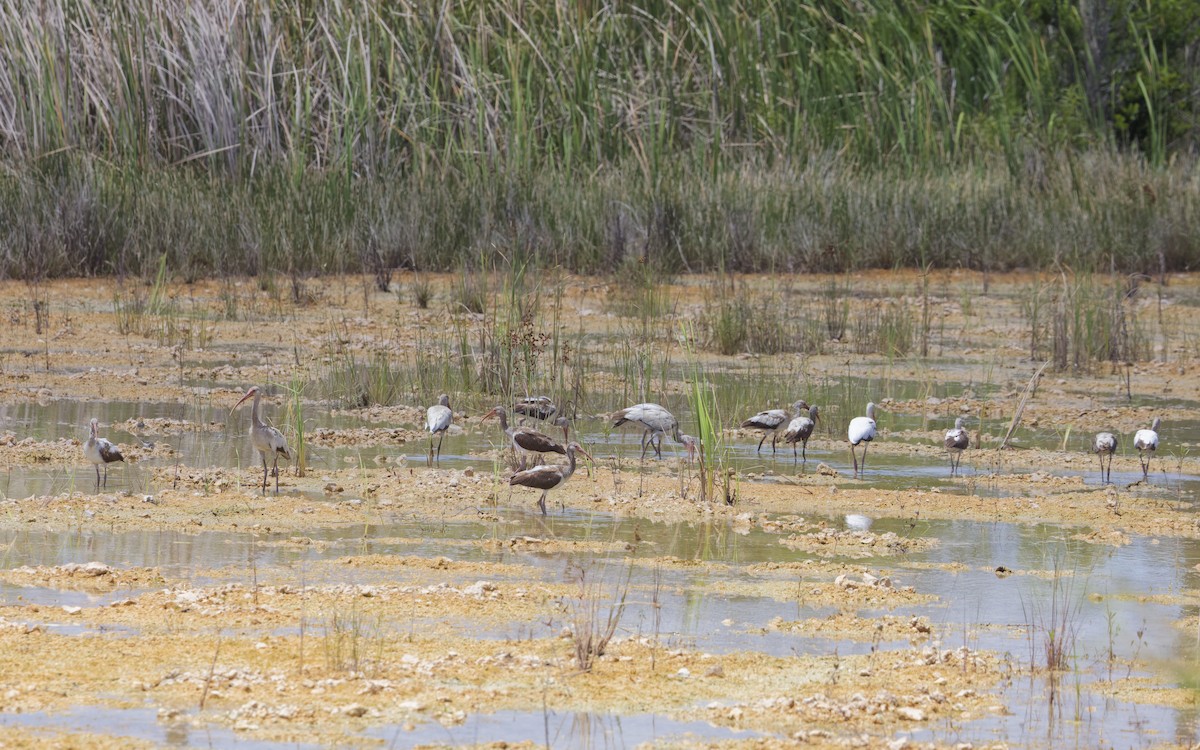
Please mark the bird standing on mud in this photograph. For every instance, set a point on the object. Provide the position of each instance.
(267, 440)
(1146, 442)
(525, 440)
(957, 440)
(769, 422)
(437, 420)
(100, 451)
(546, 477)
(654, 419)
(800, 430)
(861, 430)
(1105, 444)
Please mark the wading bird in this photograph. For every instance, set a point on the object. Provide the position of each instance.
(1105, 444)
(800, 430)
(437, 420)
(1146, 442)
(861, 430)
(654, 419)
(542, 408)
(100, 451)
(525, 440)
(691, 444)
(267, 440)
(546, 478)
(957, 440)
(769, 422)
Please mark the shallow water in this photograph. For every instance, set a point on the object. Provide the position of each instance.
(976, 608)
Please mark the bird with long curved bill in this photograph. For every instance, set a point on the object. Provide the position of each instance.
(548, 477)
(268, 441)
(100, 452)
(861, 432)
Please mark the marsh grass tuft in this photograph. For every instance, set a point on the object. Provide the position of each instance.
(595, 614)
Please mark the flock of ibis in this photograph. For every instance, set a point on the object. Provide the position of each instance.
(655, 421)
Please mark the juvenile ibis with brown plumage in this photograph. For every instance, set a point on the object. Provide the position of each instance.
(769, 422)
(800, 430)
(267, 440)
(654, 419)
(544, 409)
(956, 441)
(525, 440)
(100, 452)
(1105, 444)
(548, 477)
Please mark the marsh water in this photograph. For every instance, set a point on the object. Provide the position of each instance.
(1111, 589)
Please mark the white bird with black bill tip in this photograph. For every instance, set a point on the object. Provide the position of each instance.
(1146, 442)
(267, 440)
(654, 419)
(437, 420)
(800, 430)
(548, 477)
(1105, 444)
(769, 422)
(956, 441)
(100, 452)
(861, 431)
(525, 440)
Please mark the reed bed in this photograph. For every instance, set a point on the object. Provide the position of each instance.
(276, 137)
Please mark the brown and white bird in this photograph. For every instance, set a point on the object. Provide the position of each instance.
(957, 440)
(544, 409)
(861, 431)
(267, 440)
(1146, 441)
(769, 422)
(546, 478)
(437, 420)
(1105, 444)
(800, 430)
(100, 452)
(654, 419)
(525, 440)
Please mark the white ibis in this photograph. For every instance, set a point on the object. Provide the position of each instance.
(542, 408)
(654, 419)
(100, 451)
(957, 440)
(546, 478)
(1146, 441)
(525, 440)
(1105, 444)
(267, 440)
(770, 421)
(861, 430)
(437, 420)
(800, 430)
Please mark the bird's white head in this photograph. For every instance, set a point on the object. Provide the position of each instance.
(95, 425)
(1157, 422)
(249, 394)
(958, 421)
(871, 410)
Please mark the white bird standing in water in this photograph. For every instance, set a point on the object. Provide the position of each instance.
(655, 419)
(546, 477)
(100, 451)
(861, 430)
(957, 440)
(267, 440)
(1105, 444)
(437, 420)
(800, 430)
(1146, 441)
(770, 421)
